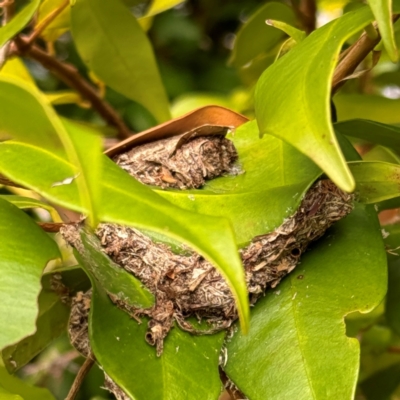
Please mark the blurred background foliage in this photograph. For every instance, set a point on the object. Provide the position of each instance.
(201, 62)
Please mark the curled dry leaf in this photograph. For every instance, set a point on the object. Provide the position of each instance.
(209, 115)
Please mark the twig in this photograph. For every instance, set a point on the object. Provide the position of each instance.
(69, 74)
(86, 366)
(308, 14)
(47, 21)
(354, 55)
(306, 11)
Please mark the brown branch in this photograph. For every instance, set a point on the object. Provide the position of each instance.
(47, 21)
(69, 74)
(353, 56)
(306, 12)
(86, 366)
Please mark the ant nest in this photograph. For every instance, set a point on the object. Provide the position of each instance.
(187, 285)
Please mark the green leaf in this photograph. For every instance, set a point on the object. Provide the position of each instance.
(15, 68)
(256, 37)
(41, 126)
(272, 200)
(373, 107)
(112, 278)
(21, 390)
(6, 395)
(65, 97)
(59, 25)
(83, 146)
(24, 251)
(104, 33)
(19, 22)
(297, 341)
(383, 15)
(27, 202)
(376, 180)
(158, 6)
(371, 131)
(126, 201)
(296, 34)
(52, 320)
(292, 96)
(380, 153)
(188, 367)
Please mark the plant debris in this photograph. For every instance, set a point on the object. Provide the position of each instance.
(182, 162)
(79, 336)
(78, 322)
(187, 285)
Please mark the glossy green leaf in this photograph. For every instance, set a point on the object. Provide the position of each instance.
(83, 146)
(19, 99)
(112, 278)
(292, 102)
(52, 320)
(12, 388)
(64, 97)
(296, 34)
(373, 107)
(19, 22)
(371, 131)
(187, 369)
(27, 202)
(24, 252)
(297, 341)
(15, 68)
(158, 6)
(41, 126)
(383, 15)
(104, 33)
(356, 321)
(273, 181)
(256, 37)
(59, 25)
(126, 201)
(6, 395)
(380, 153)
(376, 180)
